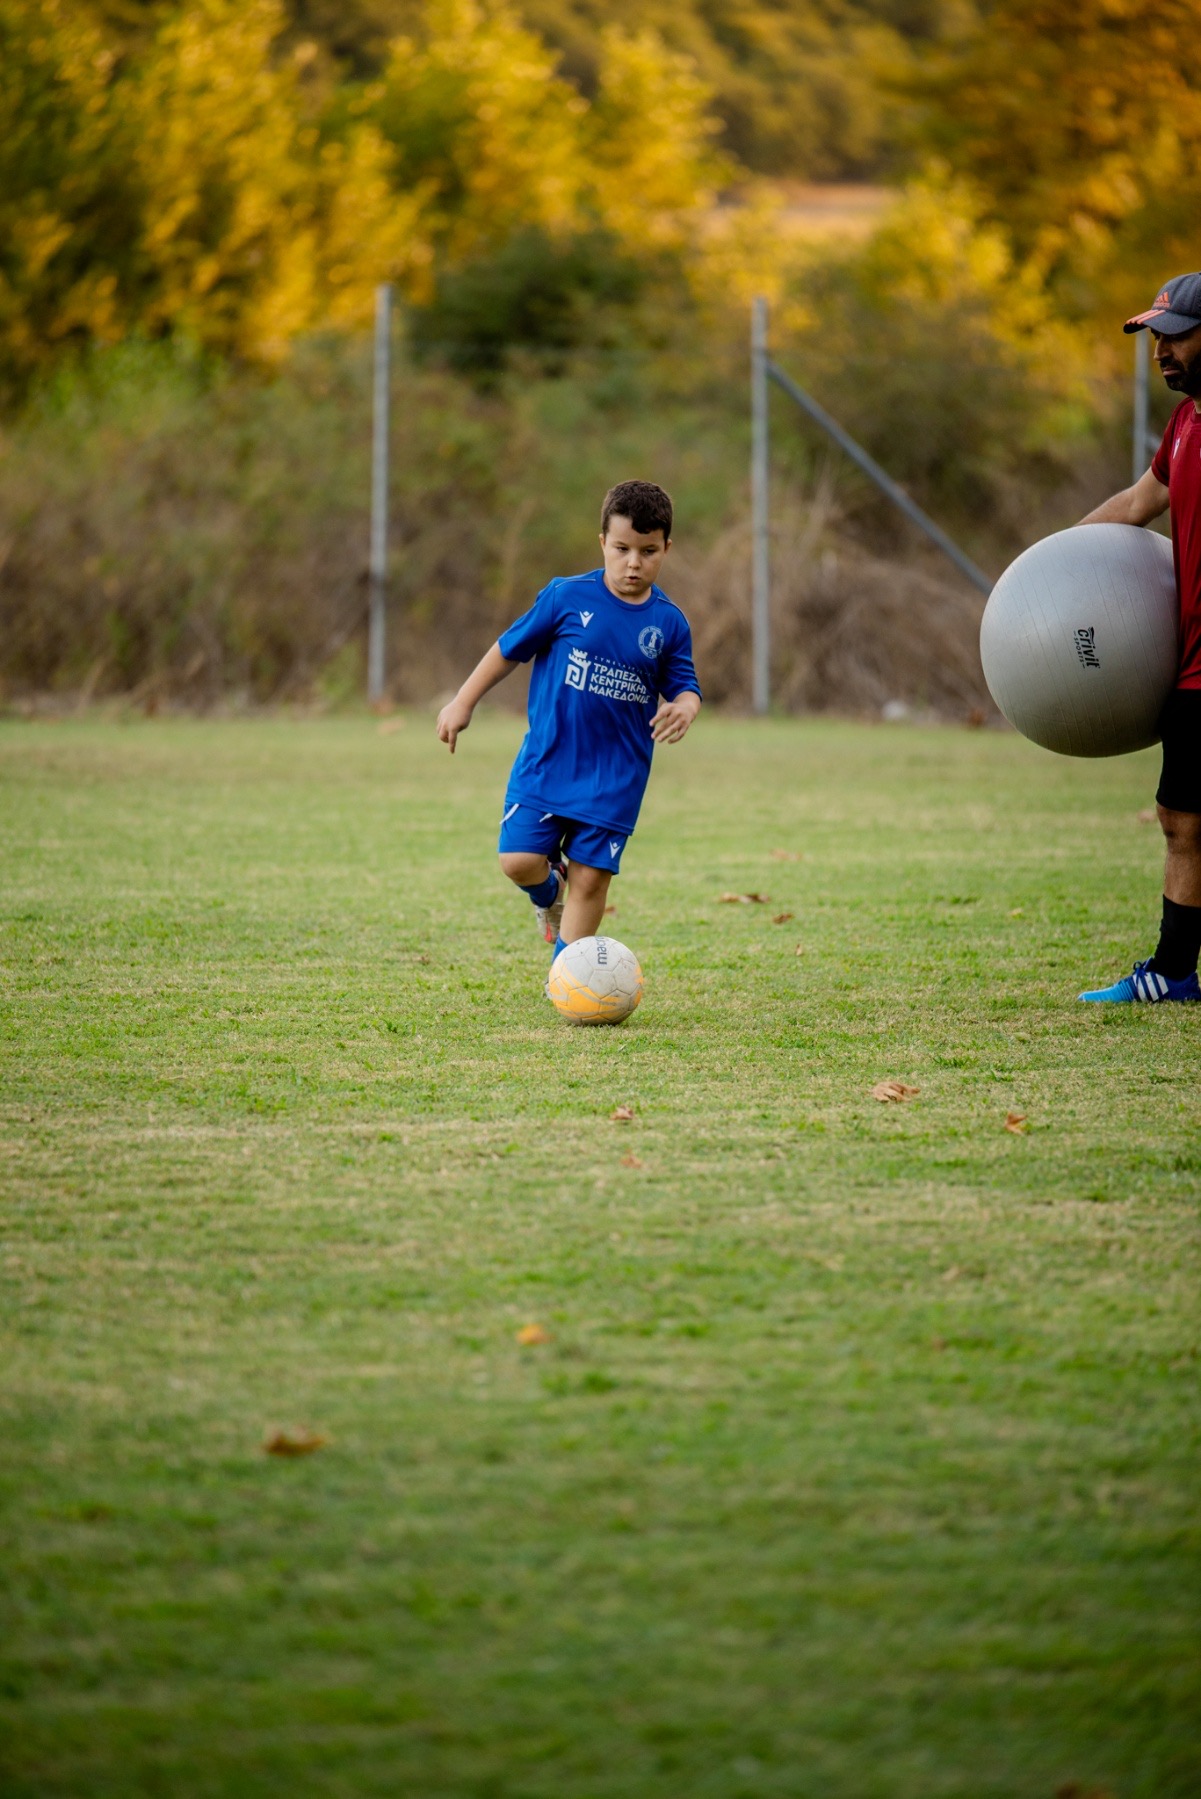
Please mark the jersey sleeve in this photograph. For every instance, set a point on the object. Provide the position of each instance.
(677, 674)
(534, 630)
(1161, 463)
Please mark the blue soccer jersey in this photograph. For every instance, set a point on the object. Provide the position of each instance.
(600, 665)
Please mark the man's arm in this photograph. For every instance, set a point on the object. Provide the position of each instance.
(491, 668)
(1136, 505)
(674, 717)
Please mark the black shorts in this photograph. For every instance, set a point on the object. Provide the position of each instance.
(1180, 728)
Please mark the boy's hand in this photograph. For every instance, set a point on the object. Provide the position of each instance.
(452, 719)
(674, 717)
(491, 668)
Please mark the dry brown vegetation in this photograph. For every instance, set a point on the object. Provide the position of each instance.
(172, 536)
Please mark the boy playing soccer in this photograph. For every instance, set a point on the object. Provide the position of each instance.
(612, 677)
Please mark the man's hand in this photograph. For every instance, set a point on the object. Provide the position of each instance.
(452, 719)
(674, 717)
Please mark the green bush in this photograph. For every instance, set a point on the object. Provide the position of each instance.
(537, 294)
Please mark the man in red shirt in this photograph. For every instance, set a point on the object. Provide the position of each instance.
(1174, 480)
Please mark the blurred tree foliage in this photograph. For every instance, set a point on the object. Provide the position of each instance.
(944, 354)
(537, 294)
(238, 173)
(482, 125)
(69, 260)
(1080, 127)
(796, 83)
(192, 170)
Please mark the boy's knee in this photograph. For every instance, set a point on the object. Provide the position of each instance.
(525, 867)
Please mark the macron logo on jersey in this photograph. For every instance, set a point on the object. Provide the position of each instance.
(614, 848)
(586, 619)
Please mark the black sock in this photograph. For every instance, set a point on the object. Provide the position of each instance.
(1179, 941)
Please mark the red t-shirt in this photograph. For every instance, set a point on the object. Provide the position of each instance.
(1177, 466)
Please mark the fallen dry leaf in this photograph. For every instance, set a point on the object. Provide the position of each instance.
(742, 899)
(952, 1274)
(1016, 1122)
(529, 1334)
(785, 856)
(781, 917)
(800, 950)
(293, 1442)
(631, 1161)
(610, 911)
(1148, 815)
(622, 1115)
(893, 1091)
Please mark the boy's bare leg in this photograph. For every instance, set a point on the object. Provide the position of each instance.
(531, 871)
(587, 893)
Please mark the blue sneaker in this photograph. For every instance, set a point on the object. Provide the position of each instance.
(1142, 983)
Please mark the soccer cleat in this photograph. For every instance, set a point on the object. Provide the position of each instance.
(1142, 983)
(551, 917)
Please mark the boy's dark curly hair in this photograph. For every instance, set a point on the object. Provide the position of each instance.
(646, 506)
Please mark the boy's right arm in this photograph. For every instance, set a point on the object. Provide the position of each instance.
(455, 717)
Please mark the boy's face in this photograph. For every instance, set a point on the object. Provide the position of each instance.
(632, 558)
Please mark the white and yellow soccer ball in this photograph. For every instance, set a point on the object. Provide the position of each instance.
(595, 980)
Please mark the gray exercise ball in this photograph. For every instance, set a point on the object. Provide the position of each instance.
(1079, 639)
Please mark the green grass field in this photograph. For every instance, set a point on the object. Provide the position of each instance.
(862, 1459)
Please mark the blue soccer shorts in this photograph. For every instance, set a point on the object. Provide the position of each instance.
(525, 829)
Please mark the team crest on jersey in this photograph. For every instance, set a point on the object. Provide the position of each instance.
(650, 642)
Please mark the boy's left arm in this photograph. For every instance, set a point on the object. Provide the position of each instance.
(674, 716)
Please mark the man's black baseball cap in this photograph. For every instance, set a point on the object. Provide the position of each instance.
(1177, 308)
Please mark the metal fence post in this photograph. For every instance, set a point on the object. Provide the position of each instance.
(760, 548)
(379, 494)
(1139, 459)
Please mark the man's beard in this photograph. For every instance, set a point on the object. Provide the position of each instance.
(1185, 380)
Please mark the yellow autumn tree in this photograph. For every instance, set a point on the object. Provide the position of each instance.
(1080, 126)
(218, 181)
(69, 204)
(654, 168)
(257, 224)
(480, 123)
